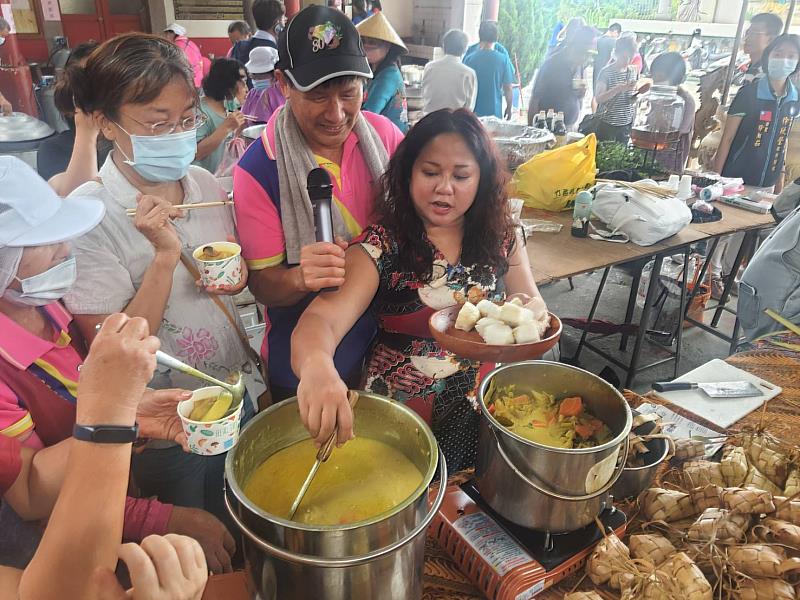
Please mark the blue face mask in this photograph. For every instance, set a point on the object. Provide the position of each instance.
(162, 158)
(781, 68)
(262, 84)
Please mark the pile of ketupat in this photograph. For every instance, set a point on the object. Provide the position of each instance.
(721, 530)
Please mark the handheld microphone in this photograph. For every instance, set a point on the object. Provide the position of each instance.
(320, 191)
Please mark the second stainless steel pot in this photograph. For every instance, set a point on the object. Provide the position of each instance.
(542, 487)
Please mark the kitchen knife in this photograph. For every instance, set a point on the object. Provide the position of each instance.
(722, 389)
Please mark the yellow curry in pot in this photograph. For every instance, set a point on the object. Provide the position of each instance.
(360, 480)
(540, 418)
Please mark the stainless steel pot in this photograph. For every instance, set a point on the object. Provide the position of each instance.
(379, 558)
(541, 487)
(20, 127)
(635, 480)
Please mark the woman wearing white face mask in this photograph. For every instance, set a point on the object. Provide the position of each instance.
(37, 269)
(140, 91)
(41, 351)
(760, 117)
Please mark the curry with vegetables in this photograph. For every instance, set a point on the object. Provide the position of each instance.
(540, 418)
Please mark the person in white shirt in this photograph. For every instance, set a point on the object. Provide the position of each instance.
(447, 82)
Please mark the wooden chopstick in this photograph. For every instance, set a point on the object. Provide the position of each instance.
(653, 190)
(132, 211)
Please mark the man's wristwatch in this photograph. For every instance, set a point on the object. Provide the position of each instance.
(106, 434)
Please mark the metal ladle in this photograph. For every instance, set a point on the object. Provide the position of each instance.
(237, 390)
(323, 454)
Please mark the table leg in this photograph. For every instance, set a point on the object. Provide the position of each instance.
(623, 344)
(737, 326)
(643, 323)
(591, 314)
(682, 311)
(702, 276)
(744, 250)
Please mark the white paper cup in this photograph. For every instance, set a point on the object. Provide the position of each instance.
(223, 271)
(213, 437)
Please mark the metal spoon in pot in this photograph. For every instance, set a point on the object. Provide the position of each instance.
(323, 454)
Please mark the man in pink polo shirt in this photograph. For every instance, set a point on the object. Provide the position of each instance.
(321, 69)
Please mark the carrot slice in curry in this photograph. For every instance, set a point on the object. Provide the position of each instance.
(571, 407)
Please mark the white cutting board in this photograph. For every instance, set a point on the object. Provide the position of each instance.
(722, 412)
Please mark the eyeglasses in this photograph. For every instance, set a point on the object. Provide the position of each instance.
(165, 128)
(750, 32)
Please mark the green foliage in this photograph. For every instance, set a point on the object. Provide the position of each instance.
(617, 157)
(601, 12)
(525, 26)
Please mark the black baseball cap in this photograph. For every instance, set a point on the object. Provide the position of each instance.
(318, 44)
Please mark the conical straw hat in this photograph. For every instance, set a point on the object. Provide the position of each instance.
(377, 26)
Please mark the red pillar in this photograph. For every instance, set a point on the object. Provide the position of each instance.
(491, 8)
(15, 77)
(292, 8)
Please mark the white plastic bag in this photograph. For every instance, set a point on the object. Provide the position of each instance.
(234, 149)
(645, 220)
(671, 276)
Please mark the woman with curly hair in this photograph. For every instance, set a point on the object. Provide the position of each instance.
(443, 233)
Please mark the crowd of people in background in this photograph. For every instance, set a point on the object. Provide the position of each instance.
(481, 77)
(150, 123)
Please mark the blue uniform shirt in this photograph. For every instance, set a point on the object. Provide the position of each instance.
(493, 71)
(759, 147)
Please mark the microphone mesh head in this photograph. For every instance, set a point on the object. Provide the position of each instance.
(318, 177)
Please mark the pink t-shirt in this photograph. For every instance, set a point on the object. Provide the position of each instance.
(55, 362)
(258, 221)
(195, 58)
(10, 462)
(638, 62)
(258, 218)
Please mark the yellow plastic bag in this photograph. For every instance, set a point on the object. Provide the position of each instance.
(552, 179)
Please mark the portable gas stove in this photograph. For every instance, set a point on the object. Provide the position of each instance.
(506, 561)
